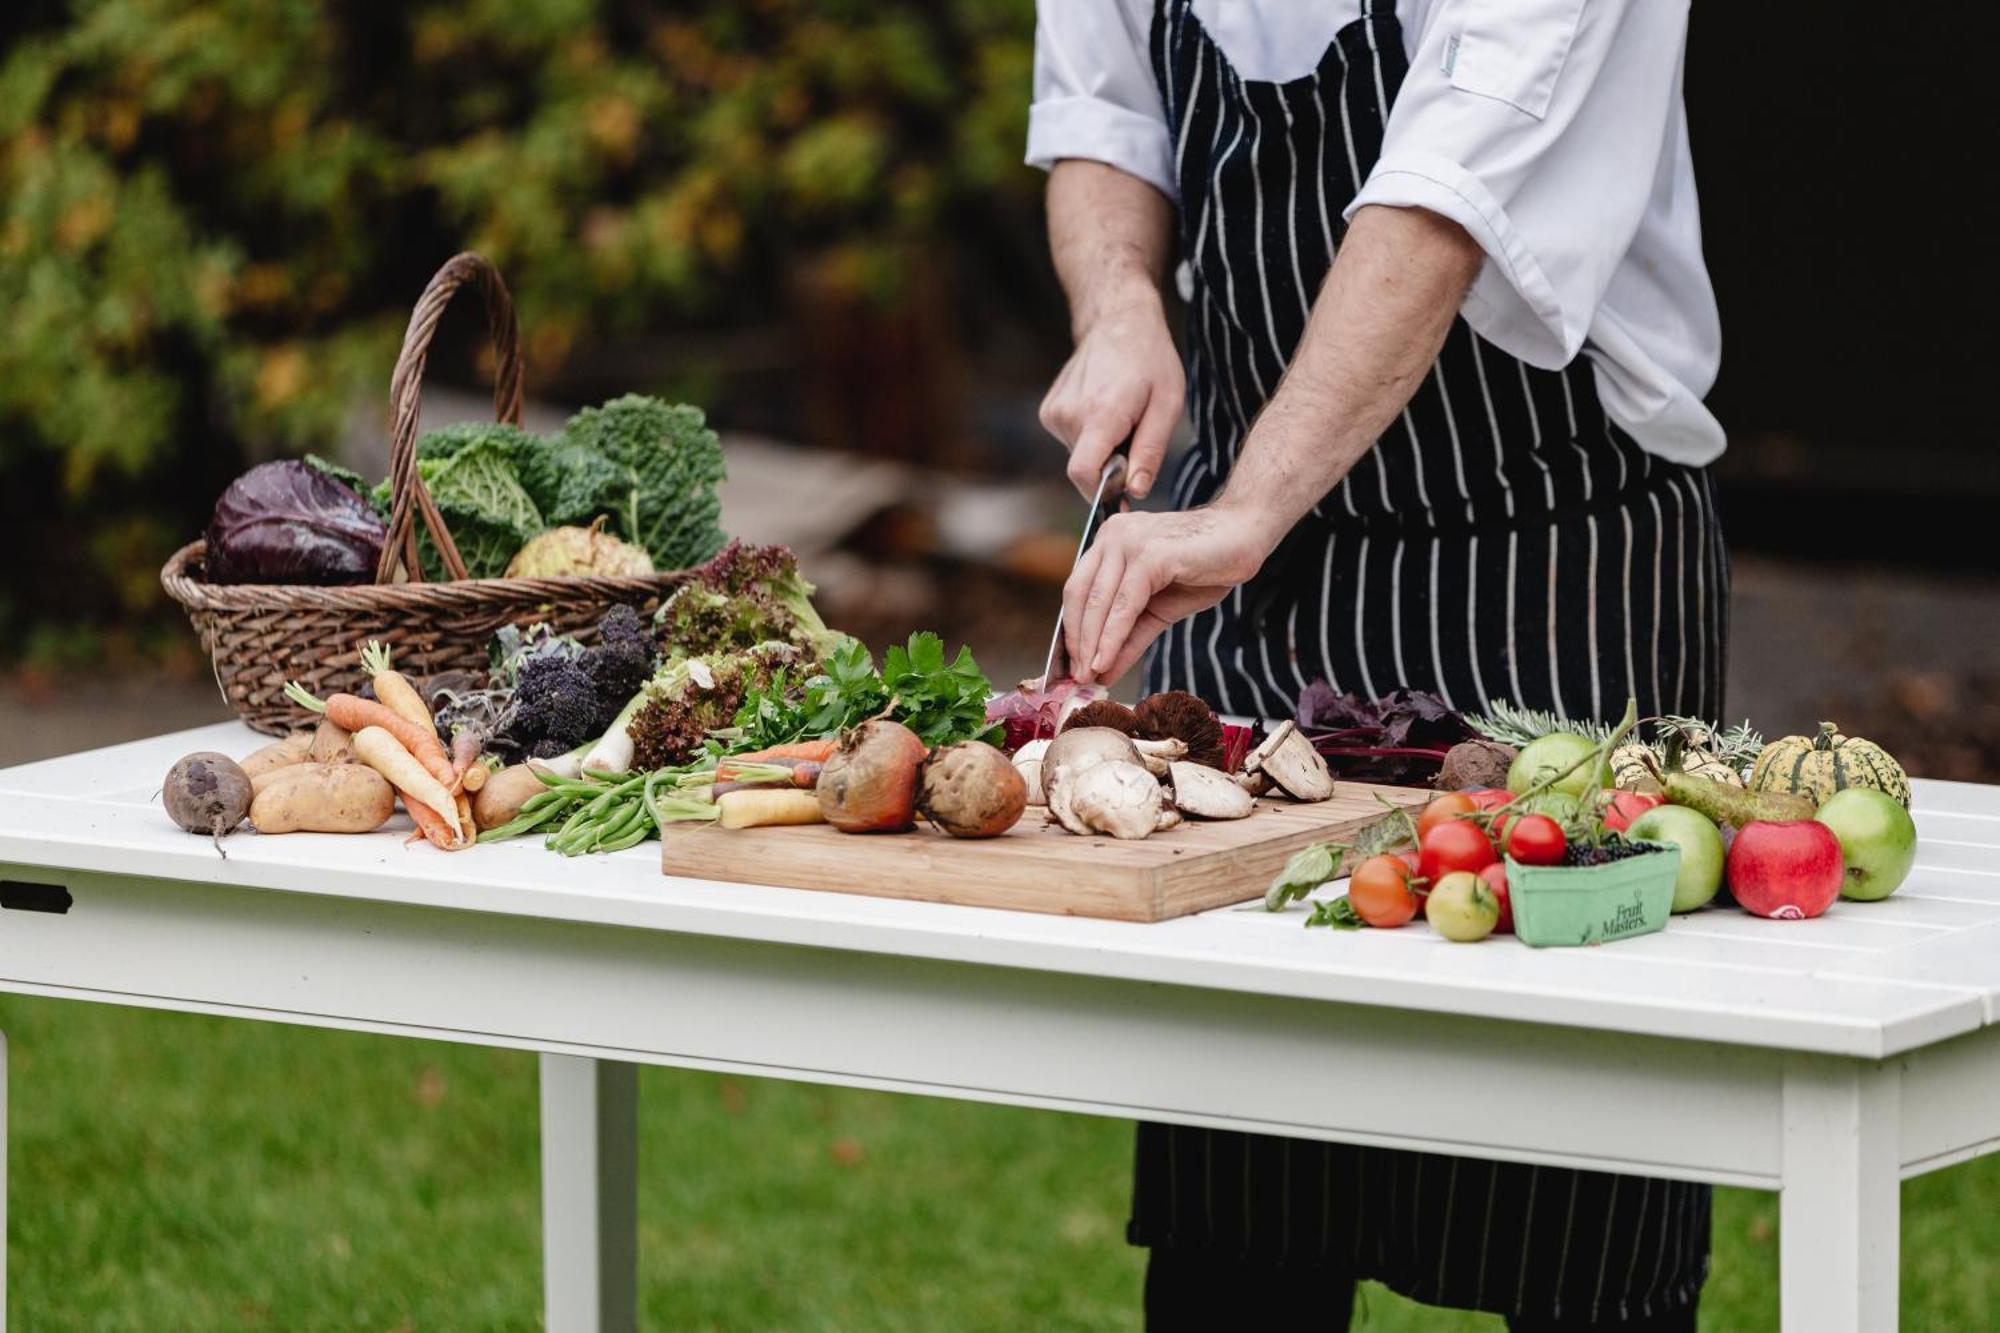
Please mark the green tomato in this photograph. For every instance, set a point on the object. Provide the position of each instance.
(1878, 840)
(1702, 853)
(1461, 907)
(1557, 805)
(1549, 755)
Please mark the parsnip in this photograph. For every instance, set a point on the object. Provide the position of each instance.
(386, 755)
(769, 806)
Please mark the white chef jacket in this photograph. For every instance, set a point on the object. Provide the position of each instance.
(1551, 130)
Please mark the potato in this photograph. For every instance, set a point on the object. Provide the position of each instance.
(332, 744)
(503, 795)
(323, 798)
(278, 754)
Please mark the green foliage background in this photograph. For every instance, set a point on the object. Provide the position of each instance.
(214, 214)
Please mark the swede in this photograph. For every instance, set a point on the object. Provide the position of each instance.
(870, 784)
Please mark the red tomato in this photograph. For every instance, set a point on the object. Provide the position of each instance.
(1536, 840)
(1490, 801)
(1454, 845)
(1442, 808)
(1495, 876)
(1380, 892)
(1627, 806)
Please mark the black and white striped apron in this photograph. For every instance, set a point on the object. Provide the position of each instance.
(1504, 539)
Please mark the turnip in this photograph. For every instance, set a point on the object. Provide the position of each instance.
(971, 790)
(206, 792)
(870, 784)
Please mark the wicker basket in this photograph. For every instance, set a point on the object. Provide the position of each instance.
(259, 635)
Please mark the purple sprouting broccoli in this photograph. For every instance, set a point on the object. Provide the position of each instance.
(565, 694)
(622, 659)
(745, 596)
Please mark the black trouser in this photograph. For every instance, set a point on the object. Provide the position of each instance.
(1199, 1291)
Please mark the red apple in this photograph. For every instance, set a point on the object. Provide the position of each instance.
(1787, 869)
(1626, 806)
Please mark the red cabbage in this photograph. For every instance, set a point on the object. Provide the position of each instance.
(289, 522)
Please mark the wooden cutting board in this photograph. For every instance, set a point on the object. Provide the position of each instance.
(1036, 867)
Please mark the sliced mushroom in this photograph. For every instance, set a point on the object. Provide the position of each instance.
(1157, 755)
(1028, 759)
(1169, 818)
(1114, 797)
(1081, 748)
(1289, 760)
(1208, 793)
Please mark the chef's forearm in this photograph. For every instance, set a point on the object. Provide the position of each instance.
(1373, 334)
(1110, 233)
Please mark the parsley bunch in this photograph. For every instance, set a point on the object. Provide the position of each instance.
(942, 701)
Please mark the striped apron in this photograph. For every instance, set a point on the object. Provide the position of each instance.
(1504, 539)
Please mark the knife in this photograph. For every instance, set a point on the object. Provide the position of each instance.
(1057, 667)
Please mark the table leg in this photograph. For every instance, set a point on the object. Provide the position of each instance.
(3, 1182)
(1840, 1208)
(590, 1195)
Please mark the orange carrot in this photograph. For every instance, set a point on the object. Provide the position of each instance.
(431, 826)
(793, 756)
(354, 713)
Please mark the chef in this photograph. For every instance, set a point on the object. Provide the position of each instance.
(1447, 336)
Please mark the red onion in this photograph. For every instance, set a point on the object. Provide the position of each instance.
(1033, 712)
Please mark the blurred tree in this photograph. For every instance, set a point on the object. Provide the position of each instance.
(214, 213)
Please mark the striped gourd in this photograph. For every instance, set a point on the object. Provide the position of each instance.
(1818, 766)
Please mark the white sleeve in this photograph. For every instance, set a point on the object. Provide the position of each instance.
(1538, 126)
(1095, 94)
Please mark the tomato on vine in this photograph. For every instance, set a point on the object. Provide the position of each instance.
(1495, 877)
(1443, 808)
(1380, 891)
(1536, 840)
(1454, 845)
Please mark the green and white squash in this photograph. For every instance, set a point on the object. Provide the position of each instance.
(1682, 746)
(1818, 766)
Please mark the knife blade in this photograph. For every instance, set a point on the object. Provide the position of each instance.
(1114, 468)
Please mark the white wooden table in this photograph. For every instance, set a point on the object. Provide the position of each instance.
(1825, 1059)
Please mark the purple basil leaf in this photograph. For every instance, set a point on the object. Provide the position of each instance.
(289, 522)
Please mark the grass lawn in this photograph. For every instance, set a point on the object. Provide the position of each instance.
(175, 1172)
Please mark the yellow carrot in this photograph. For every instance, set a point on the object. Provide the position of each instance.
(767, 806)
(381, 751)
(393, 688)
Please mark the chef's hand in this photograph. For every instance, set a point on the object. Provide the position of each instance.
(1124, 378)
(1147, 570)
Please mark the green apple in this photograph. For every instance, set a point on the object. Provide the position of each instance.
(1546, 756)
(1877, 837)
(1702, 853)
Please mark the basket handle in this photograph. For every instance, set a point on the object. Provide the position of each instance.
(408, 495)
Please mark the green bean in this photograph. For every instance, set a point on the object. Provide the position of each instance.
(630, 839)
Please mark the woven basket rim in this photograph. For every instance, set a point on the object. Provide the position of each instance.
(178, 579)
